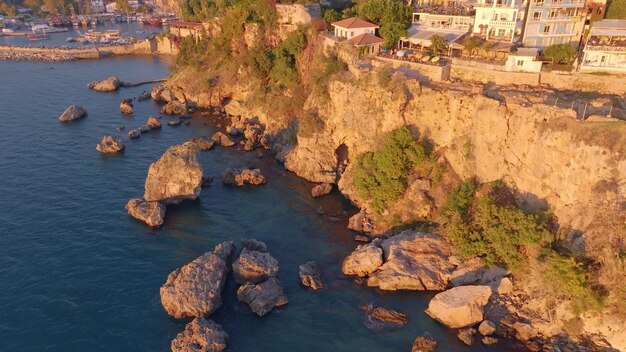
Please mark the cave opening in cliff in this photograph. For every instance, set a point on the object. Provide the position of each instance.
(343, 158)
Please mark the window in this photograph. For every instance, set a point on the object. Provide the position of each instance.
(520, 62)
(546, 29)
(351, 34)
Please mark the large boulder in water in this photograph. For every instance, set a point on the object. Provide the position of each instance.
(262, 298)
(108, 85)
(110, 145)
(153, 123)
(73, 112)
(152, 213)
(196, 289)
(176, 176)
(254, 266)
(200, 335)
(364, 260)
(460, 306)
(413, 261)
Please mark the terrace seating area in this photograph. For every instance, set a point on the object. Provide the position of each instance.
(451, 10)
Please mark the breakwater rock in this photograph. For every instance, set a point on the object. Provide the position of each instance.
(73, 112)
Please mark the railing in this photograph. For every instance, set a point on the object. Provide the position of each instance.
(502, 23)
(491, 4)
(605, 48)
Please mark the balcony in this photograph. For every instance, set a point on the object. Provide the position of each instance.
(560, 3)
(501, 6)
(502, 24)
(563, 19)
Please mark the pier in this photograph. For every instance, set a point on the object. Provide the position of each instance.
(23, 53)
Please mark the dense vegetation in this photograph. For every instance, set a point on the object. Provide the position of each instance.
(393, 17)
(381, 177)
(485, 223)
(490, 226)
(617, 9)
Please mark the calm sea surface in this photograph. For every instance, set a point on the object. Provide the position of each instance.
(78, 274)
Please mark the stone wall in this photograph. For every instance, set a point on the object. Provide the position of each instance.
(481, 75)
(423, 72)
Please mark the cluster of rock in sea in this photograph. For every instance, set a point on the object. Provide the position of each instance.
(423, 262)
(195, 291)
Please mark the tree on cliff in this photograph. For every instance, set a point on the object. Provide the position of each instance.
(393, 17)
(617, 9)
(34, 5)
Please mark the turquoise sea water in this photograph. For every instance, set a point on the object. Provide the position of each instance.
(78, 274)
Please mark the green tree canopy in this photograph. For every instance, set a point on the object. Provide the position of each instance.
(438, 44)
(617, 9)
(393, 17)
(560, 53)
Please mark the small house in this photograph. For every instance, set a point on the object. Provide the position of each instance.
(358, 32)
(523, 60)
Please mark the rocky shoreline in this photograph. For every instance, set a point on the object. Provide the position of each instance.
(501, 303)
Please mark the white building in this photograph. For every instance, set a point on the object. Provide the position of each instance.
(499, 20)
(352, 27)
(605, 49)
(523, 60)
(444, 20)
(554, 22)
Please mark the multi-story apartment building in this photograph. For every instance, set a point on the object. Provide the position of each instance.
(554, 22)
(605, 49)
(443, 18)
(499, 20)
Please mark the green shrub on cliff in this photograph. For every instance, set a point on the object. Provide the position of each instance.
(381, 177)
(490, 226)
(570, 277)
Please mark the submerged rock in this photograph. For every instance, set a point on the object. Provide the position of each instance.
(176, 122)
(152, 213)
(143, 96)
(382, 315)
(254, 245)
(321, 189)
(126, 106)
(110, 84)
(262, 298)
(203, 143)
(467, 336)
(135, 133)
(73, 112)
(414, 261)
(310, 275)
(200, 335)
(110, 145)
(176, 176)
(424, 344)
(222, 139)
(364, 260)
(196, 289)
(254, 266)
(241, 177)
(460, 306)
(488, 340)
